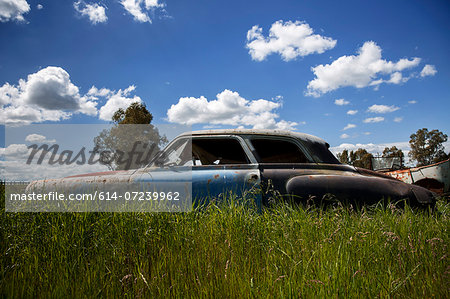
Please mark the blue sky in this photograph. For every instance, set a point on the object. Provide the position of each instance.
(356, 73)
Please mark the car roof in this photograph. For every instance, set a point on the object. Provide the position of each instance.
(265, 132)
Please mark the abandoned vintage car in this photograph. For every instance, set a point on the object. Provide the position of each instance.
(265, 162)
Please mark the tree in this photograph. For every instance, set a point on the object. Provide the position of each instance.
(427, 147)
(132, 141)
(343, 157)
(136, 113)
(392, 152)
(359, 158)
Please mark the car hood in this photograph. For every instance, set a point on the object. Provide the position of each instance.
(91, 179)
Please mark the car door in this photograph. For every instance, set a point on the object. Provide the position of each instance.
(223, 167)
(280, 159)
(218, 167)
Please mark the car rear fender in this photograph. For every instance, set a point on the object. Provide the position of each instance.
(357, 188)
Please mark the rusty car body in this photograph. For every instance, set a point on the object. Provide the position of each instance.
(435, 177)
(262, 162)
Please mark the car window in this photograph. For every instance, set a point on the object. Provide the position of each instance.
(217, 151)
(277, 151)
(320, 152)
(177, 154)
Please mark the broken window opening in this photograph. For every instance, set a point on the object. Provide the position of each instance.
(215, 151)
(277, 151)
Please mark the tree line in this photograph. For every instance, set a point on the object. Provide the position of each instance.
(427, 147)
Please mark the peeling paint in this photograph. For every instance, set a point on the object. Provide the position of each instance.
(436, 176)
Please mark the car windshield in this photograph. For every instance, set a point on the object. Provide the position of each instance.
(178, 153)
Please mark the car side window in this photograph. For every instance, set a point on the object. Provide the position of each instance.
(217, 151)
(277, 151)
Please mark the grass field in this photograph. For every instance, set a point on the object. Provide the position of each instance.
(227, 250)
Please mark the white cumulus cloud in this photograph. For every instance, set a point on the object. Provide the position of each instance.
(139, 9)
(289, 39)
(50, 95)
(352, 112)
(382, 109)
(349, 126)
(45, 95)
(373, 119)
(95, 12)
(428, 70)
(228, 109)
(115, 100)
(344, 136)
(398, 119)
(37, 138)
(103, 92)
(15, 150)
(367, 68)
(412, 102)
(341, 102)
(13, 10)
(14, 166)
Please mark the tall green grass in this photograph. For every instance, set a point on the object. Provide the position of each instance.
(230, 250)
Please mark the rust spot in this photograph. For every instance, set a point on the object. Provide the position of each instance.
(216, 176)
(209, 181)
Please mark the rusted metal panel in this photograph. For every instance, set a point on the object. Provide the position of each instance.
(439, 172)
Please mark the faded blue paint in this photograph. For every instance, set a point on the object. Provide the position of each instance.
(217, 181)
(209, 181)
